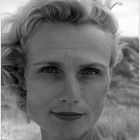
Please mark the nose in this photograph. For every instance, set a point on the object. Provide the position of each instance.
(71, 92)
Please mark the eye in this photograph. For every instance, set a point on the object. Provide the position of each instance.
(50, 69)
(90, 71)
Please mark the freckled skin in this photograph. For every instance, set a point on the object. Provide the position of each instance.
(83, 88)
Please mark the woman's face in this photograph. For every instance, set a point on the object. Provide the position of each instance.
(67, 77)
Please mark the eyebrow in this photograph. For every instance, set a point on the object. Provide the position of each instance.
(93, 64)
(59, 64)
(51, 63)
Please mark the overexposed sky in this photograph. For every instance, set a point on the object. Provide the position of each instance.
(127, 14)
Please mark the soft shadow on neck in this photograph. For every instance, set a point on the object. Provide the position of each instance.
(89, 135)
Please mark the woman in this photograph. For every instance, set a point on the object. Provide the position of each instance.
(59, 55)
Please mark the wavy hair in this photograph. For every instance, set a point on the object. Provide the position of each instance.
(17, 28)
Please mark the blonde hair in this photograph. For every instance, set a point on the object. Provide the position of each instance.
(17, 28)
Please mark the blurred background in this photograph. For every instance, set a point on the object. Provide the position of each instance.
(120, 117)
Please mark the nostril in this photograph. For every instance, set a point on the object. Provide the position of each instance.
(76, 101)
(64, 100)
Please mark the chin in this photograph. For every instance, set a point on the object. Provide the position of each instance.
(66, 129)
(69, 132)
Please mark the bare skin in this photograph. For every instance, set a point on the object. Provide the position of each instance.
(67, 78)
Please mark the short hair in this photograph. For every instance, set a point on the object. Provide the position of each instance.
(17, 28)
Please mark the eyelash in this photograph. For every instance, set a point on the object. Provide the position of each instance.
(84, 72)
(90, 71)
(50, 69)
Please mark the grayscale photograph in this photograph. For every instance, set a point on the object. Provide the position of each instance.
(69, 70)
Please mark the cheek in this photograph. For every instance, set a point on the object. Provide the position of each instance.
(40, 95)
(95, 95)
(41, 92)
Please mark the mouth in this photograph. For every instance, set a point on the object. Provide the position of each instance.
(67, 116)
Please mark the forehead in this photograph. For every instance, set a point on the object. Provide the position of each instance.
(53, 41)
(75, 33)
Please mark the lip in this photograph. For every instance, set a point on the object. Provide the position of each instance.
(67, 116)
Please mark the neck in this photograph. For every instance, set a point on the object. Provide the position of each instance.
(89, 135)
